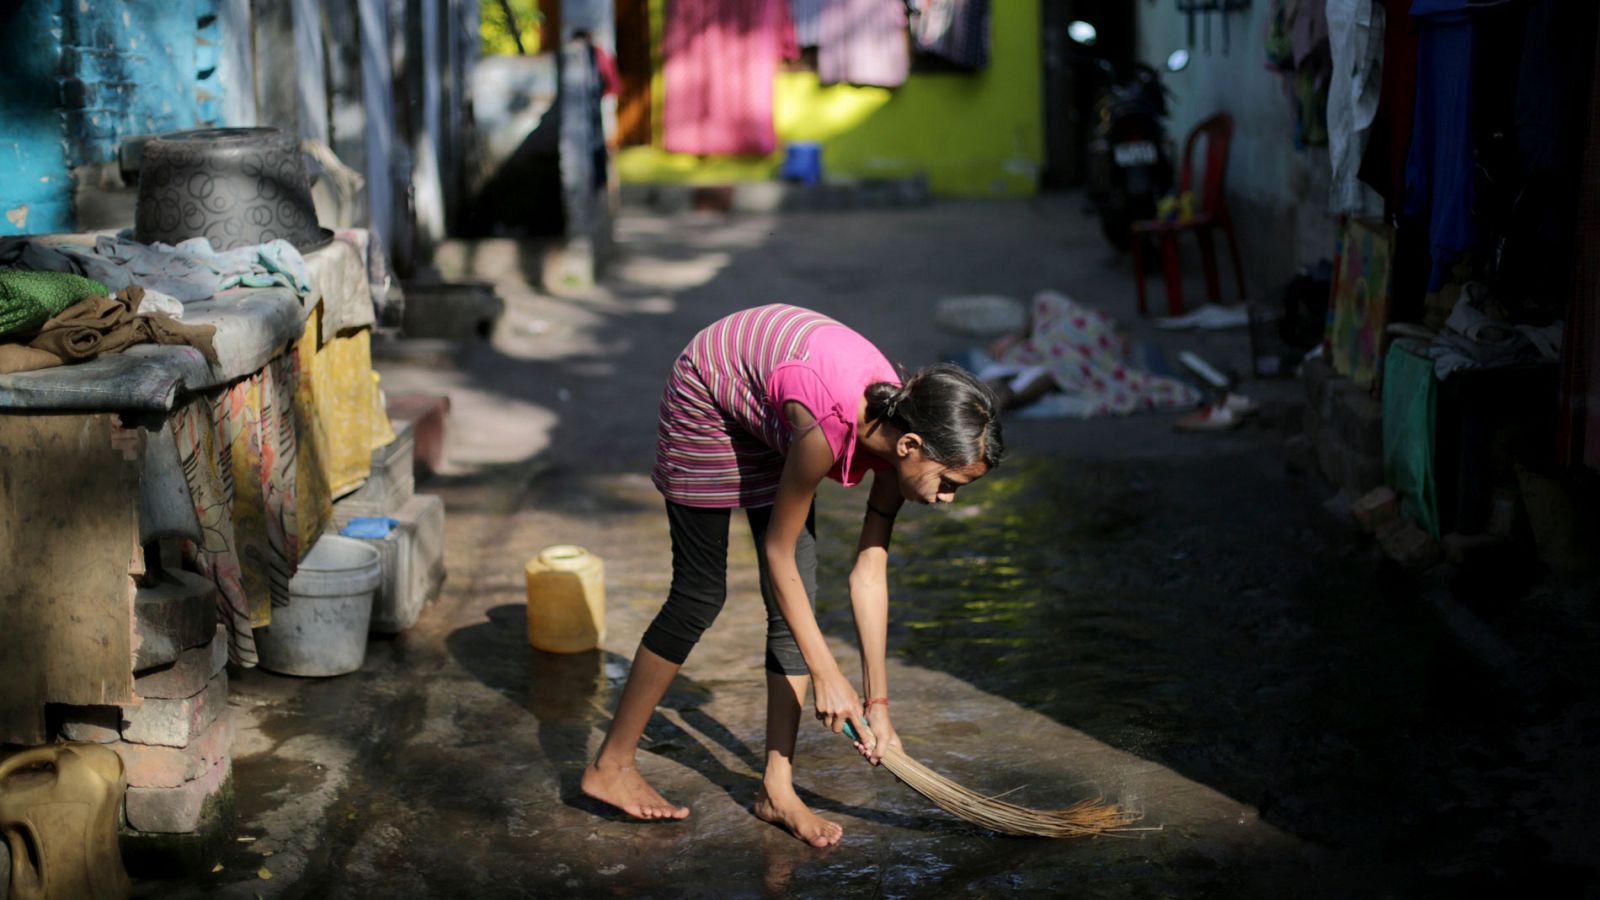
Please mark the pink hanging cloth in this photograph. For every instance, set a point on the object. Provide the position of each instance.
(863, 42)
(720, 59)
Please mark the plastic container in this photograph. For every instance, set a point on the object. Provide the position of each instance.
(323, 630)
(566, 600)
(59, 805)
(802, 162)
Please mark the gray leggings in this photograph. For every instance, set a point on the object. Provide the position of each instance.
(700, 584)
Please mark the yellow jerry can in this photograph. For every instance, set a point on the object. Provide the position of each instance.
(58, 813)
(566, 600)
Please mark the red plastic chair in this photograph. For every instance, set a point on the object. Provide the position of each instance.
(1211, 211)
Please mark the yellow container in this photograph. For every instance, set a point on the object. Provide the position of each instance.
(566, 600)
(58, 813)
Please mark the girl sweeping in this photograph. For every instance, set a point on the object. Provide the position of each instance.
(760, 407)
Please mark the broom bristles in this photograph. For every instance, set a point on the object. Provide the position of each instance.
(1082, 819)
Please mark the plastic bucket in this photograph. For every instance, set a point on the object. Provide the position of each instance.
(802, 162)
(323, 630)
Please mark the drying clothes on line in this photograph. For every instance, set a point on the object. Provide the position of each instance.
(239, 448)
(1355, 43)
(29, 299)
(863, 42)
(807, 16)
(189, 271)
(1441, 176)
(720, 57)
(99, 325)
(1079, 348)
(954, 30)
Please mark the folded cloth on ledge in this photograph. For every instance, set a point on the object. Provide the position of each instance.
(29, 299)
(99, 325)
(190, 271)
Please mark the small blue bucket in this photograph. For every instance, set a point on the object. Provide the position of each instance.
(802, 162)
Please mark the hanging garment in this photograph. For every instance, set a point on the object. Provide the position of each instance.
(238, 448)
(720, 59)
(956, 31)
(1383, 164)
(1080, 349)
(807, 15)
(1440, 177)
(1578, 428)
(1358, 308)
(1355, 43)
(1409, 392)
(863, 42)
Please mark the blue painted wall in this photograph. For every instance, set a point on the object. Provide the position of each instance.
(35, 191)
(79, 76)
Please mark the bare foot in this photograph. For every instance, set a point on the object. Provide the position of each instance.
(792, 815)
(624, 788)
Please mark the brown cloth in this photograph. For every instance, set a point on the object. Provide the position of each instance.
(98, 325)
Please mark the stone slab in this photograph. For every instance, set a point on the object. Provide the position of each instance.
(189, 674)
(252, 326)
(171, 617)
(91, 724)
(175, 723)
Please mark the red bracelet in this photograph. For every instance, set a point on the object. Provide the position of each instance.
(867, 707)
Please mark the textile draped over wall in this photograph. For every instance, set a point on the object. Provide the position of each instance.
(238, 449)
(264, 458)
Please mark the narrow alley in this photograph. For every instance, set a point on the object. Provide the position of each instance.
(1173, 621)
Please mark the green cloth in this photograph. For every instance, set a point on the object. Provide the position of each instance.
(30, 299)
(1409, 392)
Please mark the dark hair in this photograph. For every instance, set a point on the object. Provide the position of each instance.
(957, 416)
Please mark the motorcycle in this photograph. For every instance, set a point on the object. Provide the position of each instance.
(1129, 153)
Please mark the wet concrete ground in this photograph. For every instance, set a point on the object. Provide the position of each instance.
(1168, 620)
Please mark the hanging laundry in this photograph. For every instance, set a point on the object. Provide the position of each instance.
(1355, 43)
(720, 59)
(863, 42)
(807, 15)
(238, 448)
(954, 30)
(1440, 177)
(1383, 166)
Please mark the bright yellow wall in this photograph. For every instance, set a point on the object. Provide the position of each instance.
(973, 134)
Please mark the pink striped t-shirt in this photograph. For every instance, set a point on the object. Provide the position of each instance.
(722, 435)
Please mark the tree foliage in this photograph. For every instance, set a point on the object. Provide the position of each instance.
(496, 31)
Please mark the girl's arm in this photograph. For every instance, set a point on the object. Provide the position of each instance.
(807, 464)
(869, 599)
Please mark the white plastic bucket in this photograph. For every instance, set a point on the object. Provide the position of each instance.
(323, 630)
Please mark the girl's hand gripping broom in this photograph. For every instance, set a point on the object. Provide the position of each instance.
(1085, 818)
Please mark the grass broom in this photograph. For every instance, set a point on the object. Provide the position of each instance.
(1083, 819)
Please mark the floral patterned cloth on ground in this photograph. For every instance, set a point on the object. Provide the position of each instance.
(1079, 347)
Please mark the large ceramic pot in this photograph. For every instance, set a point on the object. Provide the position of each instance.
(234, 186)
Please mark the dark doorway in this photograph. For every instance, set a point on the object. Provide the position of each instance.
(1069, 85)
